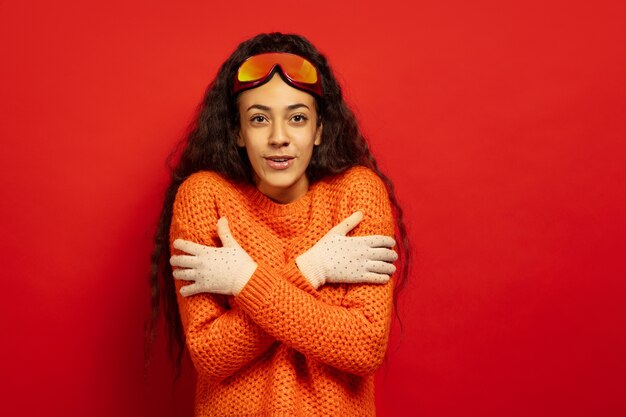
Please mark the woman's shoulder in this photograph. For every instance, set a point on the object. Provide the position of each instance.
(206, 177)
(204, 185)
(362, 173)
(205, 180)
(358, 178)
(360, 188)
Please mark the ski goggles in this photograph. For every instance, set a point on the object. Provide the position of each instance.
(295, 70)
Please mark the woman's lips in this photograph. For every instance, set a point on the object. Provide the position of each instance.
(279, 162)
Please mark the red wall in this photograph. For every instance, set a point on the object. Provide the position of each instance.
(503, 127)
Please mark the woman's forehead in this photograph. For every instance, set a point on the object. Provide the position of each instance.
(275, 94)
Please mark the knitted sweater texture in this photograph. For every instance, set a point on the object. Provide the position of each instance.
(281, 347)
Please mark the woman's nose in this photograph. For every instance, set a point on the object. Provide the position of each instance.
(278, 136)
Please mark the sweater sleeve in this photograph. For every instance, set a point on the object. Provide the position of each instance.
(220, 339)
(351, 336)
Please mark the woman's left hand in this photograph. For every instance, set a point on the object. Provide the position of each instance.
(224, 270)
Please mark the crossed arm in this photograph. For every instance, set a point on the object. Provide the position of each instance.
(221, 340)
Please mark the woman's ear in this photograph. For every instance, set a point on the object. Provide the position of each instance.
(240, 141)
(318, 135)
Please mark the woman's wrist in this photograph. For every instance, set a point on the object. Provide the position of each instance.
(240, 280)
(311, 270)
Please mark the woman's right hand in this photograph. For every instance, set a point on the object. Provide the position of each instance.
(338, 258)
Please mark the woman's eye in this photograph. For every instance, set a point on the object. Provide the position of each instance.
(258, 119)
(299, 118)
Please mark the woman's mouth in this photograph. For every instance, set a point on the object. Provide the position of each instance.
(279, 162)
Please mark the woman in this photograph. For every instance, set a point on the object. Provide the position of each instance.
(283, 313)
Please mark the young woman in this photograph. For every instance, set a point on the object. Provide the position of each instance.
(280, 225)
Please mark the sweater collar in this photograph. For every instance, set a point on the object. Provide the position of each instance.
(277, 209)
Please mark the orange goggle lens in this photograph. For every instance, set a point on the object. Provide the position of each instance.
(297, 72)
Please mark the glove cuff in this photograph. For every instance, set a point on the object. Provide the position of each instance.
(312, 271)
(241, 279)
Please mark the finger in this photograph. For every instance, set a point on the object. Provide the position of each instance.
(185, 274)
(223, 231)
(188, 290)
(189, 247)
(378, 241)
(185, 261)
(348, 223)
(374, 278)
(380, 267)
(382, 254)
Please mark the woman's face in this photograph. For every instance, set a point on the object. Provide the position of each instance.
(279, 129)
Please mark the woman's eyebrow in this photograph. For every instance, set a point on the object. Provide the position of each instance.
(259, 106)
(266, 108)
(296, 106)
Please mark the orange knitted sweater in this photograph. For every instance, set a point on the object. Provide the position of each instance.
(282, 348)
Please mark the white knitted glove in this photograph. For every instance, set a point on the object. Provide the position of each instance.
(224, 270)
(343, 259)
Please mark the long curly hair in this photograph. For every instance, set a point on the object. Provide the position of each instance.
(210, 144)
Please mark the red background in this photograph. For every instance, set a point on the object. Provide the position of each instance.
(502, 125)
